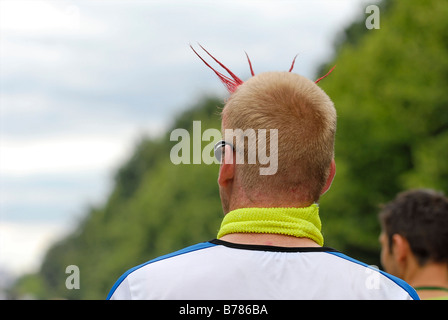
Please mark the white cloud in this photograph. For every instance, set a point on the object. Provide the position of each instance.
(23, 244)
(63, 154)
(40, 17)
(24, 103)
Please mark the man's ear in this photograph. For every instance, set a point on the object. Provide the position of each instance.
(227, 168)
(400, 248)
(330, 177)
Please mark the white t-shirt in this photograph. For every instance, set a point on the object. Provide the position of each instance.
(219, 270)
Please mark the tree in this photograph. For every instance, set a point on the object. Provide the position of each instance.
(389, 89)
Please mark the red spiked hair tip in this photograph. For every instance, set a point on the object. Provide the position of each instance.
(328, 73)
(230, 83)
(233, 82)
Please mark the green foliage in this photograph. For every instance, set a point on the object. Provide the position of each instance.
(389, 89)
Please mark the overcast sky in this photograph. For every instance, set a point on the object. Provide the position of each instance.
(81, 81)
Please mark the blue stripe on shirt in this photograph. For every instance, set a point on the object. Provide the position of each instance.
(198, 246)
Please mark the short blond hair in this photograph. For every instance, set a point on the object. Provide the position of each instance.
(305, 118)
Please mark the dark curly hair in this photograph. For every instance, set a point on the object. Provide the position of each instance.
(421, 216)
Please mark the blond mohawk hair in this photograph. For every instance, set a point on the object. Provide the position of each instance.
(305, 118)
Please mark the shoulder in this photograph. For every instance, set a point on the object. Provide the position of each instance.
(121, 286)
(376, 280)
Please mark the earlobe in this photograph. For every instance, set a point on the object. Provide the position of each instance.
(330, 177)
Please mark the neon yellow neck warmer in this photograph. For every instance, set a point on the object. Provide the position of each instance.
(297, 222)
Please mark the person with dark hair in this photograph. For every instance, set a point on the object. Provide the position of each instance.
(414, 241)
